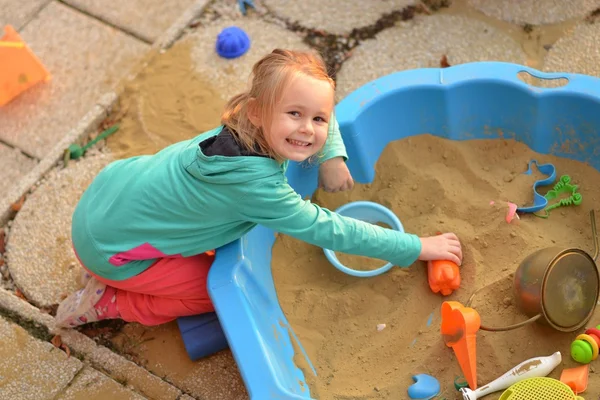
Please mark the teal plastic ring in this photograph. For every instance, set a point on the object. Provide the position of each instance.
(371, 212)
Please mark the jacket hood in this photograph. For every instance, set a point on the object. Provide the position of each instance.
(227, 170)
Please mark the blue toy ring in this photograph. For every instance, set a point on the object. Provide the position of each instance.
(366, 211)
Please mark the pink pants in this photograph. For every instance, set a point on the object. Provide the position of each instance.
(170, 288)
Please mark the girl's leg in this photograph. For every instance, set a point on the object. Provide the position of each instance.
(170, 288)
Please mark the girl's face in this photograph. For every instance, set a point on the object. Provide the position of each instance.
(299, 123)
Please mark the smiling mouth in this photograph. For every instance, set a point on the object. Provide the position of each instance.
(298, 143)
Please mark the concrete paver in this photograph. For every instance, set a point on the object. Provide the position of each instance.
(334, 16)
(231, 76)
(19, 13)
(90, 384)
(421, 43)
(39, 251)
(535, 12)
(30, 368)
(147, 19)
(86, 59)
(95, 355)
(13, 165)
(577, 52)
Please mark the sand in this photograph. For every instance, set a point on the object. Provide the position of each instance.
(437, 185)
(166, 102)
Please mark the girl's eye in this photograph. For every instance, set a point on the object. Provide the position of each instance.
(320, 119)
(294, 113)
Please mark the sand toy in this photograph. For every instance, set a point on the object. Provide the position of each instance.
(75, 151)
(443, 276)
(584, 349)
(232, 42)
(21, 69)
(459, 331)
(534, 367)
(539, 201)
(576, 378)
(563, 186)
(369, 212)
(425, 387)
(539, 389)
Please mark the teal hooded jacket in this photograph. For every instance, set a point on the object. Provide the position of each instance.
(180, 202)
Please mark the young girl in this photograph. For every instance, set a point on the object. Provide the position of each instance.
(146, 228)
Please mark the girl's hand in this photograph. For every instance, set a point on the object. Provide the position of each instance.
(334, 175)
(441, 247)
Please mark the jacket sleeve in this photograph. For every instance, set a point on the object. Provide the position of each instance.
(334, 146)
(276, 205)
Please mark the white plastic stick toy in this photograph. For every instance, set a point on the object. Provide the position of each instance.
(532, 368)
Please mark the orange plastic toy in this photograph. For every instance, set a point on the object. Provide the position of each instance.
(443, 276)
(459, 331)
(21, 69)
(576, 378)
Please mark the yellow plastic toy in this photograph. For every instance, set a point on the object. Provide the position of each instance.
(539, 389)
(21, 69)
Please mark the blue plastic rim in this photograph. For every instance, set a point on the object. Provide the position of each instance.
(373, 213)
(483, 100)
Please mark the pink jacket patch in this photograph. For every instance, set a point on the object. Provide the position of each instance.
(143, 252)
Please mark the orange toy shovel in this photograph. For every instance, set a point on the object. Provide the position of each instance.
(576, 378)
(459, 329)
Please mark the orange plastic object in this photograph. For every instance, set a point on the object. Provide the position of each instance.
(459, 331)
(576, 378)
(21, 69)
(443, 276)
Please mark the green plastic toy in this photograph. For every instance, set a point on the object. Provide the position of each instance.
(75, 151)
(563, 186)
(460, 382)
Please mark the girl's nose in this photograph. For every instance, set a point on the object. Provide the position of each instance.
(307, 128)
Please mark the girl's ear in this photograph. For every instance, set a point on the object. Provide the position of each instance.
(254, 112)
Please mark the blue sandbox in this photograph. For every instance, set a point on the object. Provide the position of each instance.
(483, 100)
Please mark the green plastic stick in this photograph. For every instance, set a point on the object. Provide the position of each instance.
(77, 151)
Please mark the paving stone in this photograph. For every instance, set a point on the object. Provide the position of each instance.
(30, 368)
(421, 43)
(19, 13)
(93, 385)
(39, 253)
(86, 60)
(150, 385)
(147, 19)
(577, 52)
(95, 355)
(13, 165)
(230, 76)
(535, 12)
(160, 348)
(335, 16)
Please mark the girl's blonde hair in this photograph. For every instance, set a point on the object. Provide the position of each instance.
(270, 77)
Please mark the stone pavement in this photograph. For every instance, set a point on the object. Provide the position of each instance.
(90, 47)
